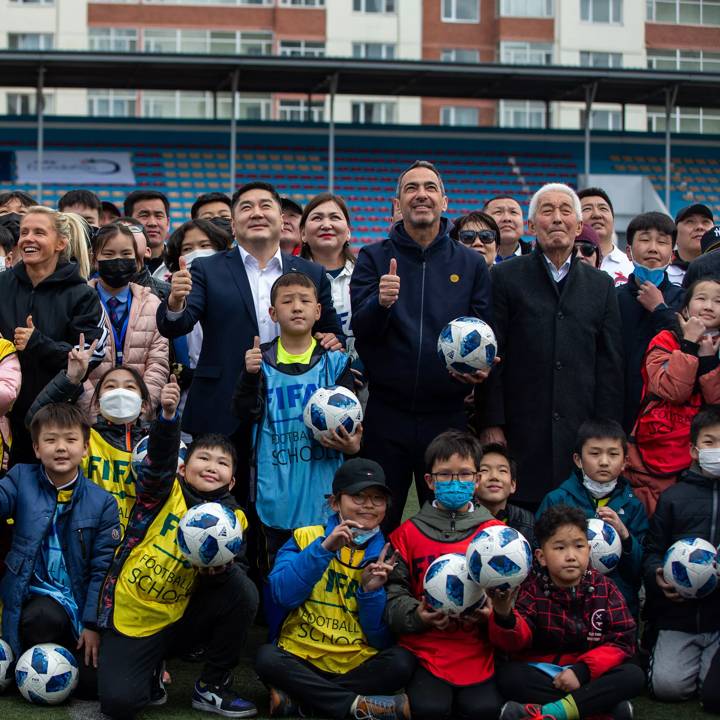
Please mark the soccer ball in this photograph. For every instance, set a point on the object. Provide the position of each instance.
(690, 566)
(139, 454)
(448, 587)
(467, 344)
(209, 535)
(498, 557)
(6, 661)
(605, 545)
(46, 674)
(329, 408)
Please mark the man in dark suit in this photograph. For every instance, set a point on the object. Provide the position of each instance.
(559, 336)
(229, 295)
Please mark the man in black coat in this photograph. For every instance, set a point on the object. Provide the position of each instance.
(558, 330)
(708, 264)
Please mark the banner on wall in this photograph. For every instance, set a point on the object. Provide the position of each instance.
(75, 168)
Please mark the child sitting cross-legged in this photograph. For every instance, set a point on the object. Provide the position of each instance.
(574, 630)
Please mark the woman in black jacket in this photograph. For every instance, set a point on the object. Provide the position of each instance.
(45, 303)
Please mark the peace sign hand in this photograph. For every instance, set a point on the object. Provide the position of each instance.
(375, 575)
(79, 360)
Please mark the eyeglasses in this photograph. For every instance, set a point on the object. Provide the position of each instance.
(378, 500)
(463, 476)
(134, 228)
(486, 237)
(586, 249)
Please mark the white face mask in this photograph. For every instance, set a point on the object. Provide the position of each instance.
(120, 406)
(195, 254)
(709, 460)
(598, 489)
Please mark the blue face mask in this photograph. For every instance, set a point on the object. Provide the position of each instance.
(361, 536)
(651, 275)
(454, 494)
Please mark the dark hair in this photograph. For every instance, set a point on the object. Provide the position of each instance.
(500, 197)
(291, 279)
(206, 199)
(600, 428)
(144, 392)
(7, 239)
(500, 449)
(109, 207)
(86, 198)
(26, 199)
(256, 185)
(138, 195)
(216, 235)
(708, 416)
(107, 232)
(127, 220)
(212, 440)
(287, 203)
(554, 518)
(691, 291)
(305, 250)
(650, 221)
(453, 442)
(419, 164)
(63, 415)
(597, 192)
(476, 216)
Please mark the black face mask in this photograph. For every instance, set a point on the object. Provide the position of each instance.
(117, 272)
(12, 222)
(223, 223)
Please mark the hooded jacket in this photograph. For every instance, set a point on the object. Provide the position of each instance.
(398, 345)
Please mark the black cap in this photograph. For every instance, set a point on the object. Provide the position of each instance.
(357, 475)
(710, 240)
(287, 203)
(696, 209)
(111, 208)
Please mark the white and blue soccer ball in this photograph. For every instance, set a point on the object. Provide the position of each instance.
(6, 661)
(448, 587)
(498, 557)
(329, 408)
(46, 674)
(209, 535)
(690, 566)
(467, 344)
(140, 450)
(605, 545)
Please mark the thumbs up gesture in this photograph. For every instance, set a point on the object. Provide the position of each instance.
(180, 286)
(170, 398)
(389, 290)
(253, 357)
(22, 334)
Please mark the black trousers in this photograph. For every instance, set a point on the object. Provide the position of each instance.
(526, 684)
(43, 620)
(710, 690)
(329, 695)
(432, 698)
(397, 440)
(217, 619)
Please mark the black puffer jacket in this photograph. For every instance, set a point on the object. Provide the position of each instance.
(689, 509)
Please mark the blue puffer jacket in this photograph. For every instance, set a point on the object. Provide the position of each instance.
(628, 574)
(89, 532)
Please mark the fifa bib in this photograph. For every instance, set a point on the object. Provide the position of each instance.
(325, 629)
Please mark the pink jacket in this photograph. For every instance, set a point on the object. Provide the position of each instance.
(10, 378)
(145, 349)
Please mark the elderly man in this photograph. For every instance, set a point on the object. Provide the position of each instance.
(558, 329)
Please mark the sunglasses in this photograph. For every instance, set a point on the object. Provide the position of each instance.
(586, 249)
(486, 237)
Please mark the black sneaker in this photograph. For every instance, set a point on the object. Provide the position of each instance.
(222, 700)
(623, 711)
(158, 693)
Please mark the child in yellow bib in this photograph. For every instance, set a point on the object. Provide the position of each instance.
(10, 378)
(154, 604)
(334, 656)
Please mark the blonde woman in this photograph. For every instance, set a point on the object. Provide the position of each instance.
(45, 303)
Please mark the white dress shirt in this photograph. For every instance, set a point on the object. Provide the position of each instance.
(261, 282)
(558, 273)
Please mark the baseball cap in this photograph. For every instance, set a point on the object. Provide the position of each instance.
(710, 240)
(357, 475)
(696, 209)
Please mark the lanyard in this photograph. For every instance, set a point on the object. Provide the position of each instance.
(119, 339)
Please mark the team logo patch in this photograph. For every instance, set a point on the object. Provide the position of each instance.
(454, 278)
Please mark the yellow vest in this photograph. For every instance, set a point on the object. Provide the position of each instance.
(6, 349)
(155, 582)
(325, 629)
(109, 468)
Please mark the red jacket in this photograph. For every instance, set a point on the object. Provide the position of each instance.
(589, 624)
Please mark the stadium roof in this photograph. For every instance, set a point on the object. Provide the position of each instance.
(145, 71)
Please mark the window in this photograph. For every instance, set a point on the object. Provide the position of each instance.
(160, 41)
(25, 104)
(526, 8)
(32, 2)
(303, 3)
(376, 113)
(374, 6)
(458, 115)
(603, 119)
(461, 10)
(247, 107)
(683, 60)
(302, 48)
(255, 43)
(373, 51)
(112, 39)
(600, 59)
(601, 11)
(525, 53)
(30, 41)
(684, 12)
(685, 120)
(522, 113)
(111, 103)
(461, 55)
(221, 42)
(298, 110)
